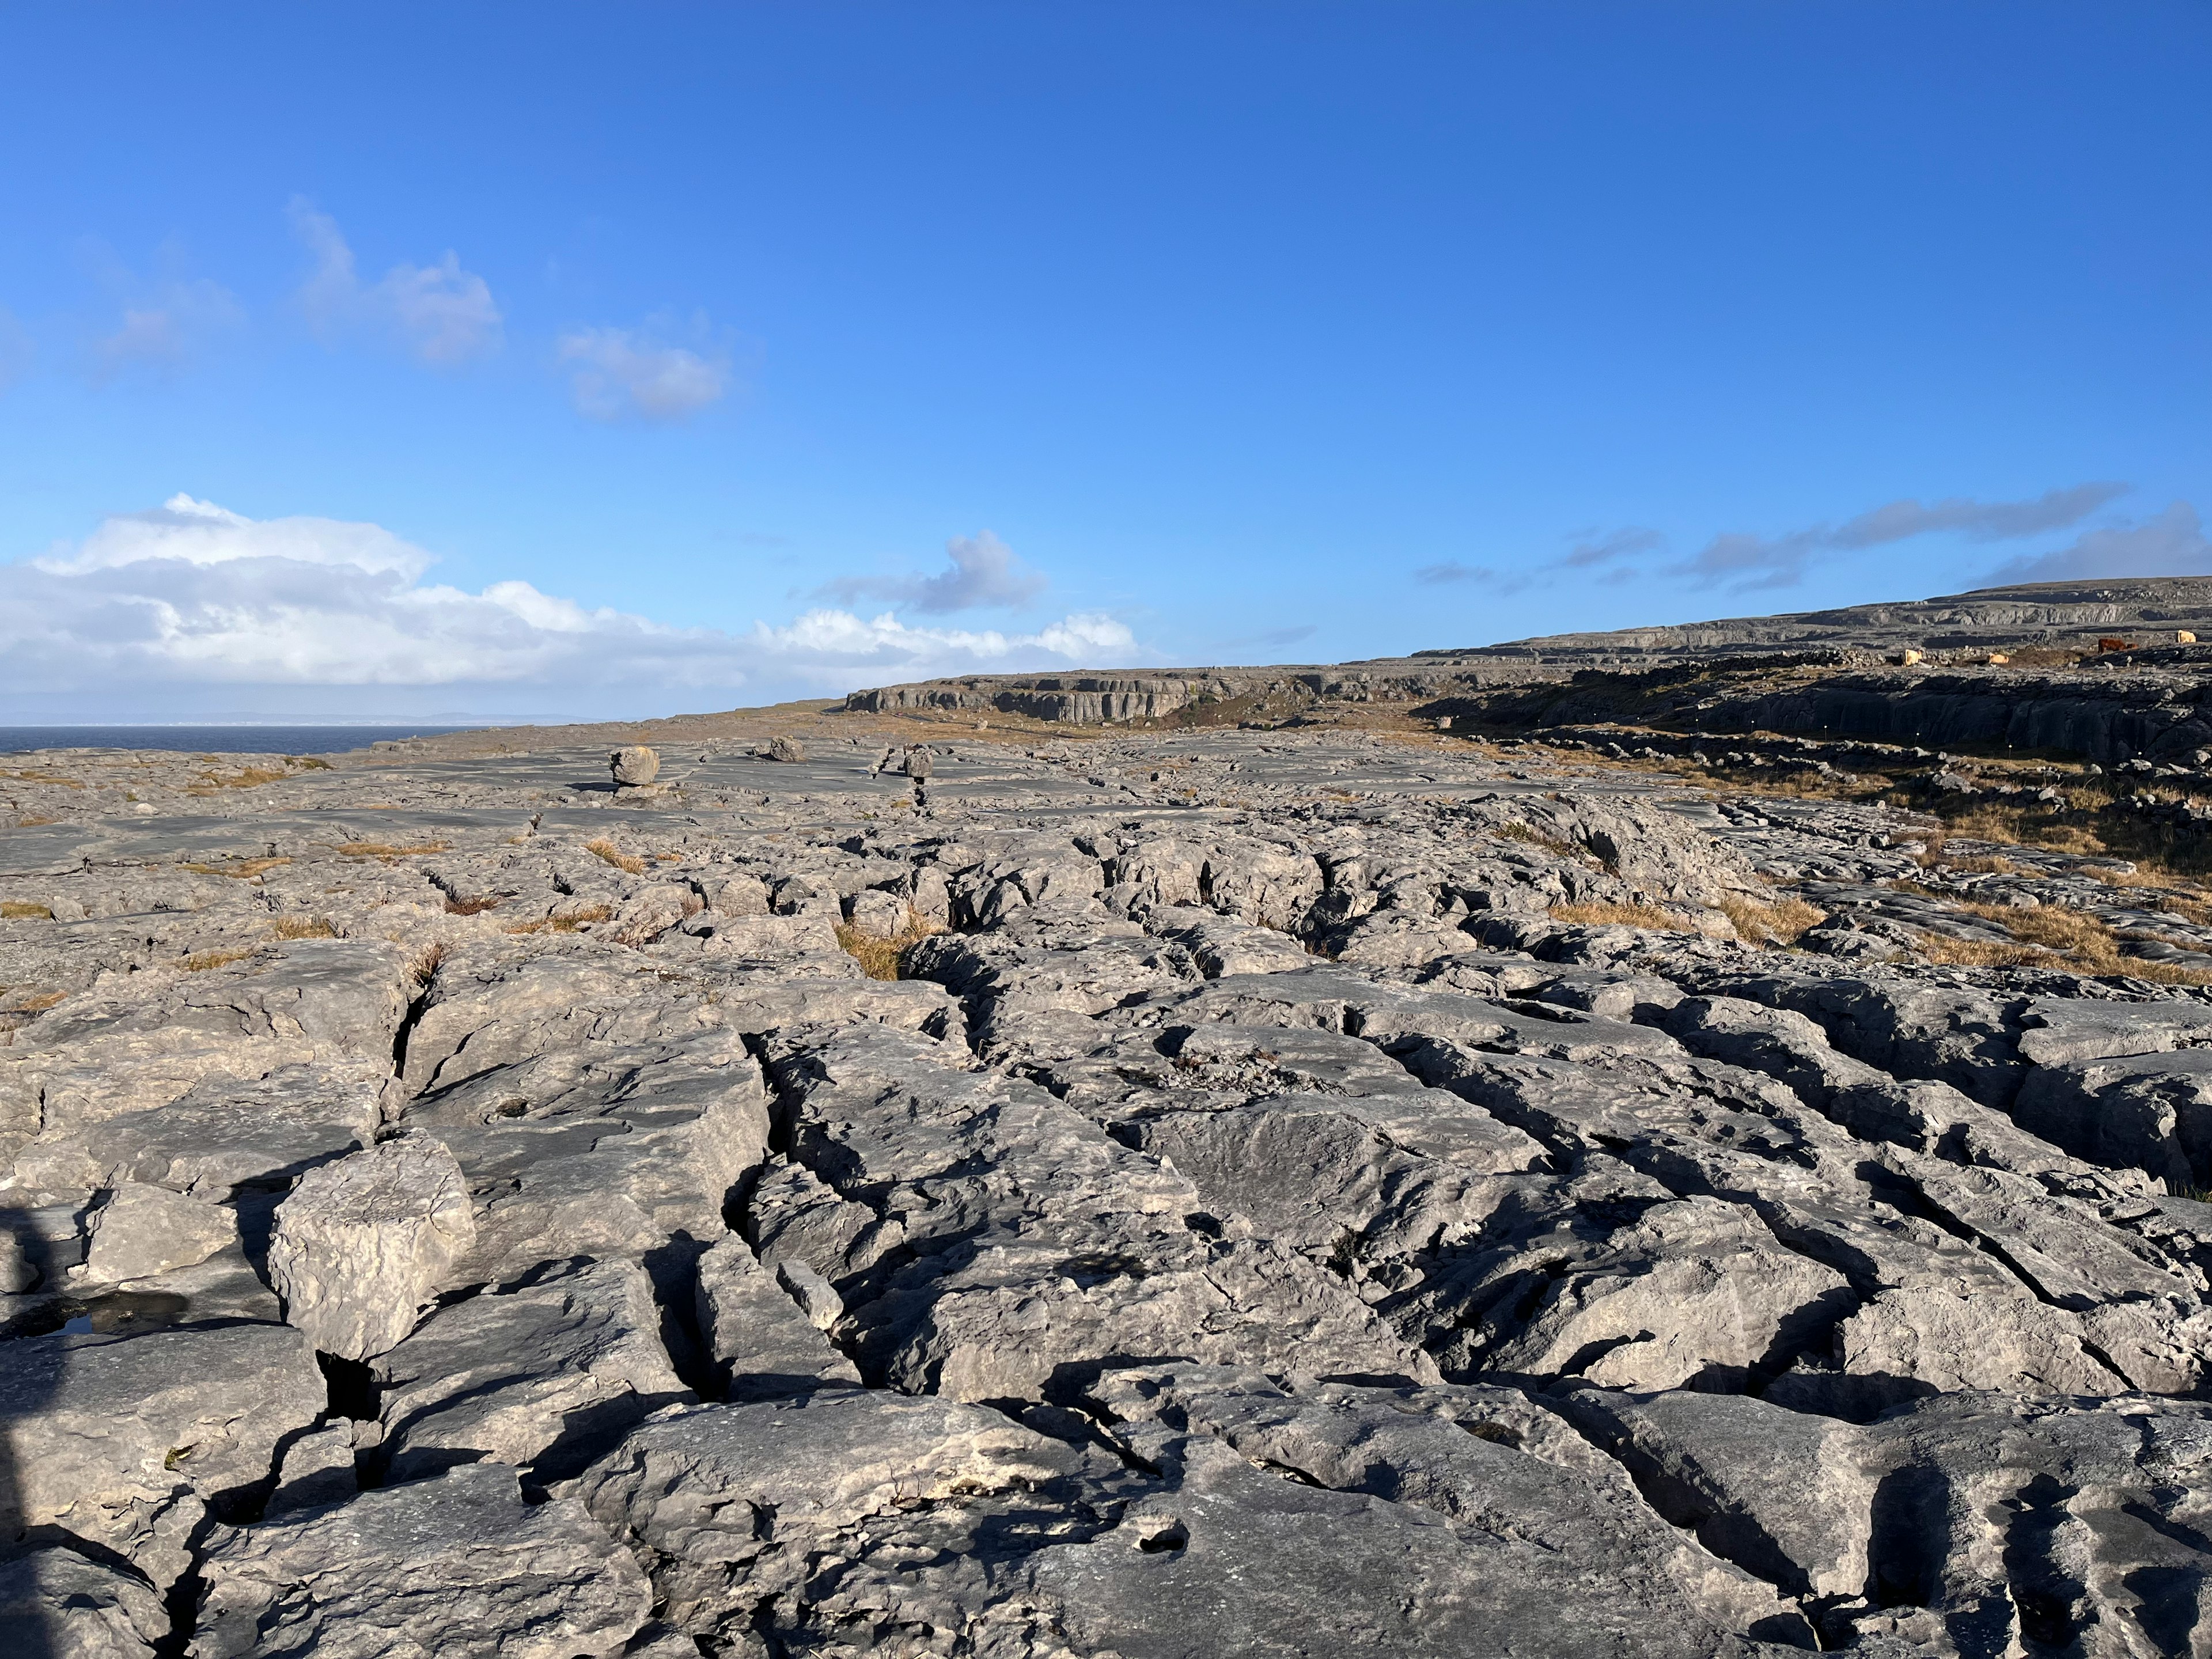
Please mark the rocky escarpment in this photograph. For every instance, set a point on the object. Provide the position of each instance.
(2109, 672)
(1301, 1192)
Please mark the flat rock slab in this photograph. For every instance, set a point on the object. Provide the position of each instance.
(457, 1565)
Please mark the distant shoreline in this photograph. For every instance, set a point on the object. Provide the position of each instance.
(300, 738)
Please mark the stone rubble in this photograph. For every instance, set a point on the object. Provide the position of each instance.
(459, 1205)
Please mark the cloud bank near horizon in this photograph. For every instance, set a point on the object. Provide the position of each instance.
(191, 598)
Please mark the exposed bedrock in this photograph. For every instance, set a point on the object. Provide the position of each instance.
(1280, 1206)
(2107, 672)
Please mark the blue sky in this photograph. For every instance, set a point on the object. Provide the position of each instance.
(577, 361)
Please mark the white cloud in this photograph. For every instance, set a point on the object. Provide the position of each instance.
(985, 572)
(192, 595)
(201, 533)
(621, 373)
(445, 315)
(2172, 544)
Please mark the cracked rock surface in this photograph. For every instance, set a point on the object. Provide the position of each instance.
(474, 1205)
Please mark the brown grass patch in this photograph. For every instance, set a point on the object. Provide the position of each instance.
(251, 777)
(424, 968)
(304, 928)
(33, 821)
(37, 1005)
(200, 961)
(44, 777)
(469, 907)
(2068, 941)
(377, 849)
(614, 855)
(1778, 923)
(237, 870)
(566, 923)
(18, 911)
(885, 958)
(1646, 916)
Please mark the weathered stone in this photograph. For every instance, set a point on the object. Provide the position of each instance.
(363, 1245)
(138, 1230)
(317, 1469)
(543, 1377)
(764, 1342)
(634, 766)
(221, 1136)
(127, 1441)
(456, 1565)
(57, 1604)
(781, 748)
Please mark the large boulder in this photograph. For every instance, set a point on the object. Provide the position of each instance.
(363, 1245)
(634, 767)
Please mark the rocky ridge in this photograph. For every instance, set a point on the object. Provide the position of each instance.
(2110, 671)
(1303, 1191)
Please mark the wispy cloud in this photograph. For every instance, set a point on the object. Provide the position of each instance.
(2172, 544)
(1592, 549)
(1745, 561)
(167, 319)
(443, 314)
(192, 594)
(626, 374)
(1613, 546)
(1451, 570)
(984, 573)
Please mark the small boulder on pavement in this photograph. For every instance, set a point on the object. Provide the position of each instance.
(634, 766)
(363, 1245)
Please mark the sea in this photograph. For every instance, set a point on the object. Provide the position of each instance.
(214, 740)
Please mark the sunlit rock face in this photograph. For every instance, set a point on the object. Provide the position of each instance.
(875, 1185)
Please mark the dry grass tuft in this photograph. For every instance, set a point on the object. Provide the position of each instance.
(305, 928)
(43, 777)
(237, 870)
(883, 959)
(424, 968)
(568, 921)
(200, 961)
(33, 821)
(2067, 941)
(18, 911)
(469, 907)
(1778, 923)
(614, 855)
(251, 777)
(1646, 916)
(377, 849)
(37, 1005)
